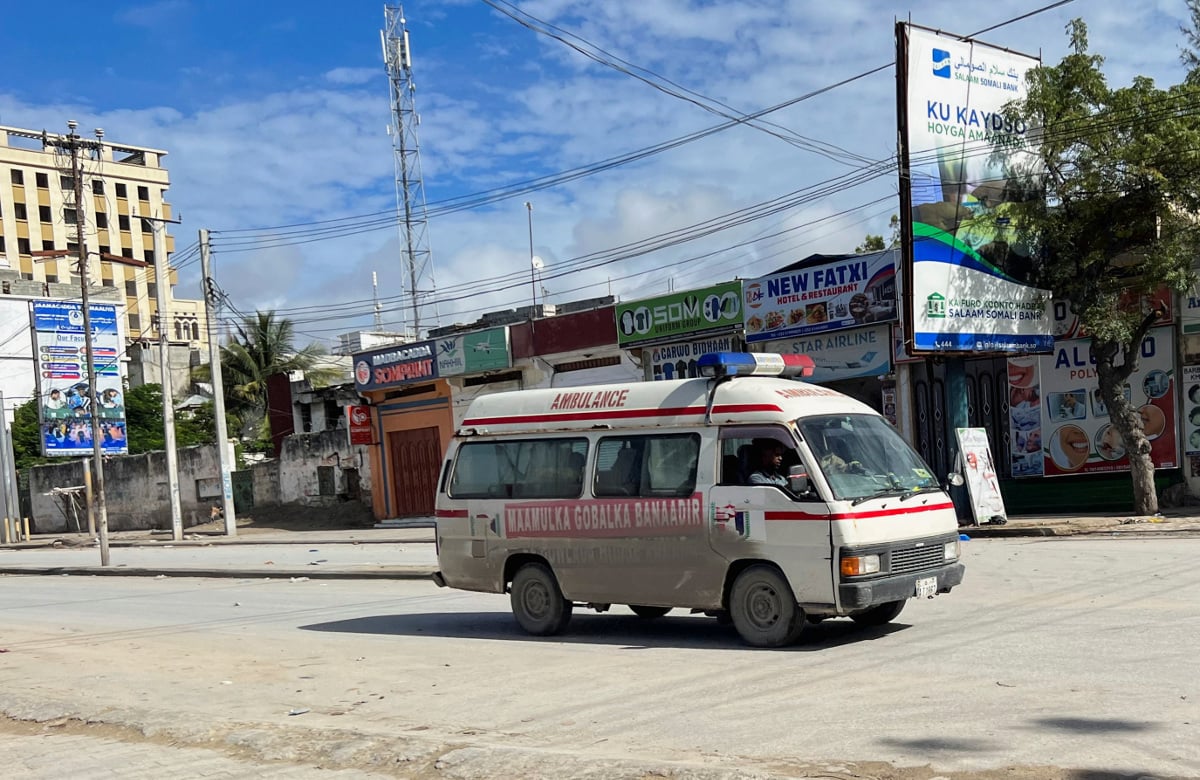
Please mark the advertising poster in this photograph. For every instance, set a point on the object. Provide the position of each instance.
(399, 364)
(64, 382)
(473, 353)
(979, 472)
(678, 360)
(1077, 436)
(1066, 324)
(841, 355)
(1025, 416)
(843, 294)
(967, 167)
(360, 428)
(1191, 410)
(679, 314)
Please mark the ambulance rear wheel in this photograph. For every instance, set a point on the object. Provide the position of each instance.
(764, 609)
(537, 601)
(878, 616)
(649, 612)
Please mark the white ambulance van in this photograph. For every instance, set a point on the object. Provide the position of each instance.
(669, 495)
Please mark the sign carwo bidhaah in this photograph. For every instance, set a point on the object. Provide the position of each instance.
(966, 270)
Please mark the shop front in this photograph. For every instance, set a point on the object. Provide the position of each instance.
(411, 425)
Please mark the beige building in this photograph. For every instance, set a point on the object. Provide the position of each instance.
(121, 185)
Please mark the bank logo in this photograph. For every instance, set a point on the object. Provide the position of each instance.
(941, 63)
(935, 306)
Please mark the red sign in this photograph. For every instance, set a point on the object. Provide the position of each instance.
(361, 430)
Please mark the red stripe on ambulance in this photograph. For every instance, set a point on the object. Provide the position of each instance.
(620, 414)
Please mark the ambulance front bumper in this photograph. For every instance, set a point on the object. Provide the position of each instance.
(869, 593)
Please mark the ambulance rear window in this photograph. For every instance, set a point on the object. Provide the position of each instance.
(526, 468)
(657, 465)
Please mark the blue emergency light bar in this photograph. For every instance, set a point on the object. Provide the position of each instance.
(721, 364)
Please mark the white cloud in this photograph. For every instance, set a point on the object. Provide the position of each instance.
(500, 105)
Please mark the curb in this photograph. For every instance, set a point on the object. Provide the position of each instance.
(391, 573)
(214, 542)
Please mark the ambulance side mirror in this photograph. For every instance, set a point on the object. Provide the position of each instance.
(798, 479)
(954, 478)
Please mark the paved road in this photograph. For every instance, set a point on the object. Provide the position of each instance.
(1076, 653)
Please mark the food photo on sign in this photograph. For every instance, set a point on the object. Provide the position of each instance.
(1078, 434)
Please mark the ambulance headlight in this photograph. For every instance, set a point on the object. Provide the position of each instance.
(952, 550)
(855, 565)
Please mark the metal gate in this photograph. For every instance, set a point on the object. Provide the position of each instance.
(987, 408)
(414, 459)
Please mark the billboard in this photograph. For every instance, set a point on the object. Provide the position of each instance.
(1059, 425)
(473, 353)
(679, 314)
(678, 360)
(846, 293)
(963, 168)
(64, 381)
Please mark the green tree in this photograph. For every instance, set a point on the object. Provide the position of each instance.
(27, 435)
(261, 347)
(870, 244)
(145, 430)
(1121, 171)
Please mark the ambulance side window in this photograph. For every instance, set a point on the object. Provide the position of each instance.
(529, 468)
(649, 466)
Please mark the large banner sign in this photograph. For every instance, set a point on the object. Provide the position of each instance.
(679, 314)
(473, 353)
(969, 273)
(847, 293)
(842, 355)
(1060, 425)
(399, 364)
(64, 382)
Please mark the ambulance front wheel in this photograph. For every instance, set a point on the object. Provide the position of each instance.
(537, 601)
(764, 609)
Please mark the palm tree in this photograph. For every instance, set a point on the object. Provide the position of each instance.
(261, 347)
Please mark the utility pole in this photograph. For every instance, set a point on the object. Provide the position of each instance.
(214, 358)
(162, 279)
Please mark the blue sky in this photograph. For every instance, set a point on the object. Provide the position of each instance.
(275, 114)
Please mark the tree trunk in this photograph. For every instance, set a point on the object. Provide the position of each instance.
(1125, 418)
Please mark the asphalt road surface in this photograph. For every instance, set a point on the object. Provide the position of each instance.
(1057, 658)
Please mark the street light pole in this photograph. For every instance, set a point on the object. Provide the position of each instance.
(532, 263)
(162, 279)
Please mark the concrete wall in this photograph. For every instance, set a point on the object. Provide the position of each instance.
(136, 489)
(303, 455)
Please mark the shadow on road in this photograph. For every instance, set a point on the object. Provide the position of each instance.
(634, 633)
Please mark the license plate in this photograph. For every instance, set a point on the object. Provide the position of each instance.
(926, 587)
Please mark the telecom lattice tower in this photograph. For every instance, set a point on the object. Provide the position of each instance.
(410, 189)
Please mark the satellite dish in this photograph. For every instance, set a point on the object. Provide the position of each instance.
(537, 263)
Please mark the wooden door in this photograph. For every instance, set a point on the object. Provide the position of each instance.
(414, 460)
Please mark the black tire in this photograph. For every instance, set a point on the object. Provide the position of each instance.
(878, 616)
(537, 601)
(649, 612)
(764, 609)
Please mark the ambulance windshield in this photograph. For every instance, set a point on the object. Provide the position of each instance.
(863, 457)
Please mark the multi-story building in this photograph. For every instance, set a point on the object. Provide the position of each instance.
(122, 185)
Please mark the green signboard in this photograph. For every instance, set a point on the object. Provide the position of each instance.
(473, 353)
(679, 314)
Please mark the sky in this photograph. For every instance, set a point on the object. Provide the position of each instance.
(275, 118)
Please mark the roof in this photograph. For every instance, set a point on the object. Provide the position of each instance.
(751, 399)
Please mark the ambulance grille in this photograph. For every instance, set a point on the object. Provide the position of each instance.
(928, 556)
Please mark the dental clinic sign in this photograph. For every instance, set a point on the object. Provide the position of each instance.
(679, 314)
(965, 166)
